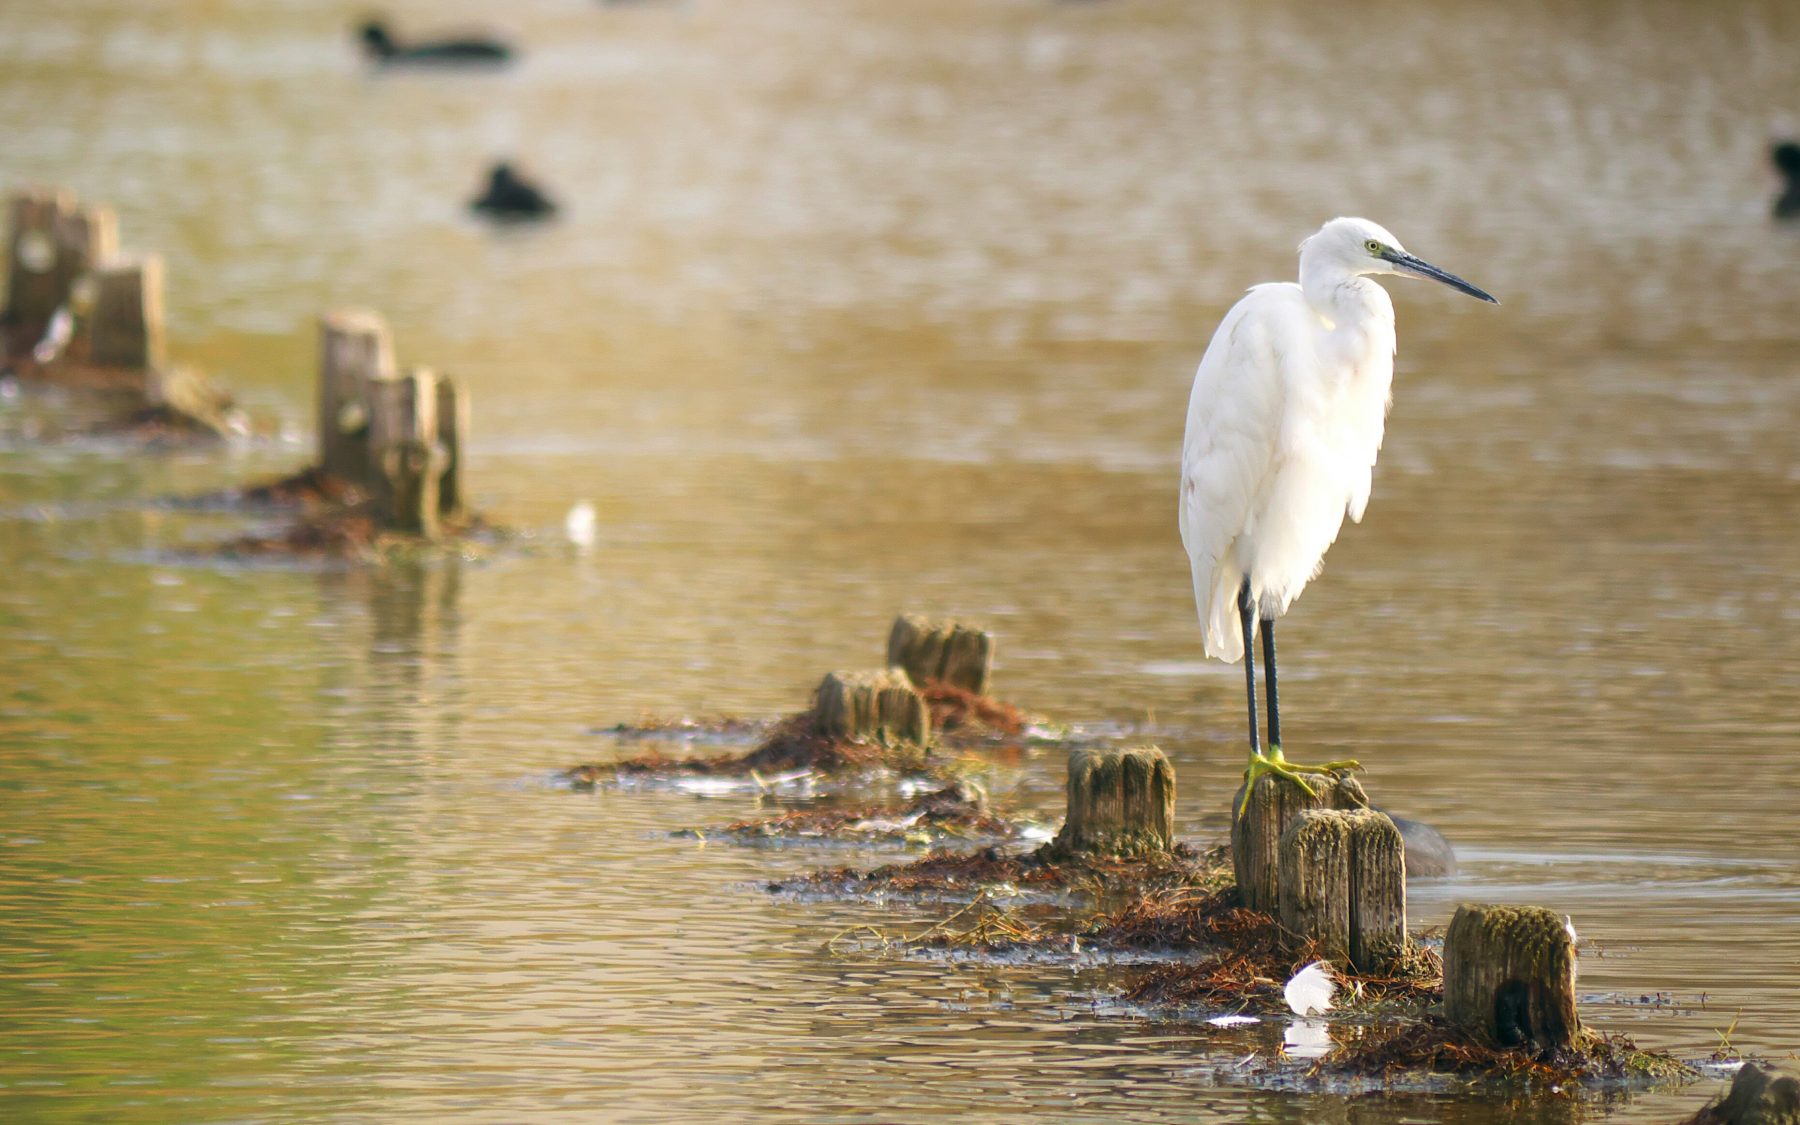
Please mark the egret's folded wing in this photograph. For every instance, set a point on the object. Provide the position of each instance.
(1230, 451)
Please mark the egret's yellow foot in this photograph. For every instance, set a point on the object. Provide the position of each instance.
(1275, 763)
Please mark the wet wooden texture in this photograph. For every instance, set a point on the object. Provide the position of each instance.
(1509, 976)
(1120, 803)
(956, 654)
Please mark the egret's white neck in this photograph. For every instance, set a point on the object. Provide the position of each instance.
(1340, 297)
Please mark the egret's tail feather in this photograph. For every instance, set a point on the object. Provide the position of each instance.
(1216, 595)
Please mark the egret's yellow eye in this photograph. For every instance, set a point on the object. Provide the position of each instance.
(1374, 248)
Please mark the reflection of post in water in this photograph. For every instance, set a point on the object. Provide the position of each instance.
(413, 618)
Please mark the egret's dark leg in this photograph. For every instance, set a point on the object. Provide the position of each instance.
(1273, 762)
(1268, 639)
(1245, 610)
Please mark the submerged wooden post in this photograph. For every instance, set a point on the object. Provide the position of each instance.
(1343, 886)
(403, 445)
(872, 705)
(1509, 976)
(1256, 835)
(956, 654)
(452, 440)
(354, 351)
(1760, 1094)
(125, 323)
(52, 242)
(1121, 803)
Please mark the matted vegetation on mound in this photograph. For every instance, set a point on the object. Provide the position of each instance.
(959, 872)
(333, 531)
(1428, 1045)
(957, 811)
(794, 743)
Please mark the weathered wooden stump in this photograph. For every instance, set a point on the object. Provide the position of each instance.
(1342, 886)
(452, 440)
(956, 654)
(1759, 1095)
(872, 705)
(123, 326)
(1121, 803)
(53, 241)
(402, 437)
(354, 351)
(1509, 976)
(1256, 835)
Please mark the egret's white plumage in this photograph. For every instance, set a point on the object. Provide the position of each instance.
(1284, 423)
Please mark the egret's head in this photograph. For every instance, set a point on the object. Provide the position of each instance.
(1358, 246)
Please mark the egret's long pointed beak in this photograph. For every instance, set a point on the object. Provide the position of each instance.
(1418, 267)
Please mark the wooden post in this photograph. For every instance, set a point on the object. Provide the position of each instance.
(1121, 803)
(403, 443)
(1256, 835)
(1509, 976)
(1343, 886)
(52, 242)
(452, 440)
(959, 655)
(1377, 892)
(872, 705)
(1314, 881)
(125, 325)
(354, 351)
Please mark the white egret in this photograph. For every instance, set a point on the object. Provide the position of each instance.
(1283, 427)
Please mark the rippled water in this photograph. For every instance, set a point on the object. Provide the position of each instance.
(859, 307)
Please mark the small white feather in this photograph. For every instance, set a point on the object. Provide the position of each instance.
(1310, 990)
(580, 523)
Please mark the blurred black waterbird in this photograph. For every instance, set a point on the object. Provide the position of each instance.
(1786, 156)
(508, 196)
(383, 48)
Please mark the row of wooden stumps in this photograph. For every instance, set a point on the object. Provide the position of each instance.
(398, 438)
(1332, 871)
(888, 704)
(77, 311)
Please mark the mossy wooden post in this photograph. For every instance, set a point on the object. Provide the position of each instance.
(354, 351)
(1342, 886)
(1121, 803)
(1377, 892)
(1256, 835)
(403, 443)
(52, 242)
(956, 654)
(872, 705)
(125, 323)
(452, 440)
(1509, 976)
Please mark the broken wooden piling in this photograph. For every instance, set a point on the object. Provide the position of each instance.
(1509, 976)
(946, 651)
(54, 242)
(876, 706)
(399, 439)
(1256, 835)
(1342, 886)
(1121, 803)
(123, 326)
(354, 351)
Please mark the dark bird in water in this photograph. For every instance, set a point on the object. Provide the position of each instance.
(383, 48)
(1786, 156)
(510, 197)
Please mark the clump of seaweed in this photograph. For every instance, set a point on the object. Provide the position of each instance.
(960, 714)
(1098, 877)
(958, 810)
